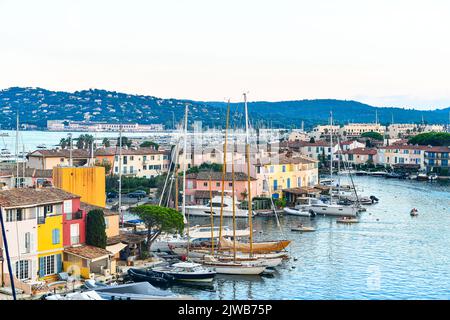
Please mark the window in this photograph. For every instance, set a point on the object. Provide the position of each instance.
(49, 265)
(284, 168)
(205, 184)
(14, 215)
(217, 184)
(275, 185)
(68, 209)
(55, 236)
(144, 158)
(230, 184)
(144, 167)
(74, 234)
(125, 160)
(131, 158)
(131, 169)
(27, 243)
(48, 209)
(116, 169)
(289, 182)
(22, 269)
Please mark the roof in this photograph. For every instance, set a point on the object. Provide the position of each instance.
(88, 252)
(438, 149)
(61, 153)
(217, 176)
(16, 198)
(302, 190)
(204, 194)
(299, 144)
(111, 151)
(29, 172)
(116, 248)
(128, 238)
(405, 147)
(88, 207)
(362, 151)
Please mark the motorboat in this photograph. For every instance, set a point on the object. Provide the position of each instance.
(299, 212)
(322, 208)
(87, 295)
(347, 220)
(153, 277)
(302, 228)
(133, 291)
(188, 271)
(204, 210)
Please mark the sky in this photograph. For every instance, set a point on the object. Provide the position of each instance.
(383, 52)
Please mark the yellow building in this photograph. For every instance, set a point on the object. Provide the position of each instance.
(50, 241)
(87, 182)
(284, 173)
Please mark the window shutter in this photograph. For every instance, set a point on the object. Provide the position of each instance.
(57, 236)
(58, 263)
(41, 267)
(53, 236)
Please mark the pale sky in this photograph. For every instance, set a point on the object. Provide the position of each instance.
(382, 52)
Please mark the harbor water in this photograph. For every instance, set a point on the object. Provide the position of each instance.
(388, 255)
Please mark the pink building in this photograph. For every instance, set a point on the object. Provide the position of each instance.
(197, 186)
(74, 223)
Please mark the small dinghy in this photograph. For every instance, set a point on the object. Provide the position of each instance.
(299, 212)
(347, 220)
(147, 275)
(302, 228)
(414, 212)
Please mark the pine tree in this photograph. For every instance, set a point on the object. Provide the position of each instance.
(96, 229)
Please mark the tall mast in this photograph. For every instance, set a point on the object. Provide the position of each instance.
(224, 170)
(120, 174)
(176, 188)
(249, 193)
(17, 148)
(70, 149)
(234, 205)
(211, 215)
(331, 155)
(184, 177)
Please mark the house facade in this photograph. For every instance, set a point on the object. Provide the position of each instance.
(34, 227)
(437, 160)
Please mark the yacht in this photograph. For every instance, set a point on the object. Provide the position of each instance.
(197, 235)
(205, 209)
(320, 207)
(188, 271)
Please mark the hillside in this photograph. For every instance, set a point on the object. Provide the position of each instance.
(37, 105)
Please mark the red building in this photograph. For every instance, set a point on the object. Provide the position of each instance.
(74, 223)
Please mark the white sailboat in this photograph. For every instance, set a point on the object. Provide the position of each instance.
(205, 210)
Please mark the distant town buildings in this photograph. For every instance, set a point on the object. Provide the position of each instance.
(70, 125)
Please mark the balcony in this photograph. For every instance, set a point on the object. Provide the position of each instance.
(74, 215)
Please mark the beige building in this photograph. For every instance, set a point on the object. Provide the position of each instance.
(398, 155)
(355, 130)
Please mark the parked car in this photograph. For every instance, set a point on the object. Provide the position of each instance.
(112, 195)
(137, 194)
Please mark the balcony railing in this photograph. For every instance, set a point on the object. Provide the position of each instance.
(74, 215)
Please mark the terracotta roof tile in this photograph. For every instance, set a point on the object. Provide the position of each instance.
(31, 196)
(87, 252)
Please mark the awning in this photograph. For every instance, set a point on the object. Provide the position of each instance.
(116, 248)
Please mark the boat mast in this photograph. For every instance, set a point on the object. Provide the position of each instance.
(17, 148)
(234, 205)
(249, 193)
(120, 174)
(176, 188)
(211, 214)
(224, 170)
(8, 259)
(331, 157)
(186, 110)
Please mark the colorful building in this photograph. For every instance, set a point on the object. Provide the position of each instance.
(437, 160)
(284, 173)
(34, 229)
(197, 185)
(87, 182)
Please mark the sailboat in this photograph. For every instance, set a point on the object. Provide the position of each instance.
(332, 209)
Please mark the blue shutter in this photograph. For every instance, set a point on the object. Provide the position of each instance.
(289, 182)
(58, 263)
(41, 267)
(57, 234)
(53, 236)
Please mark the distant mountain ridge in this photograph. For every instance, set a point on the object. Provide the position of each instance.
(37, 105)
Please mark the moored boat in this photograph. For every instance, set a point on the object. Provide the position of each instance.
(257, 247)
(187, 271)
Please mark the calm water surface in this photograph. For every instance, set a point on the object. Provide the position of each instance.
(388, 255)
